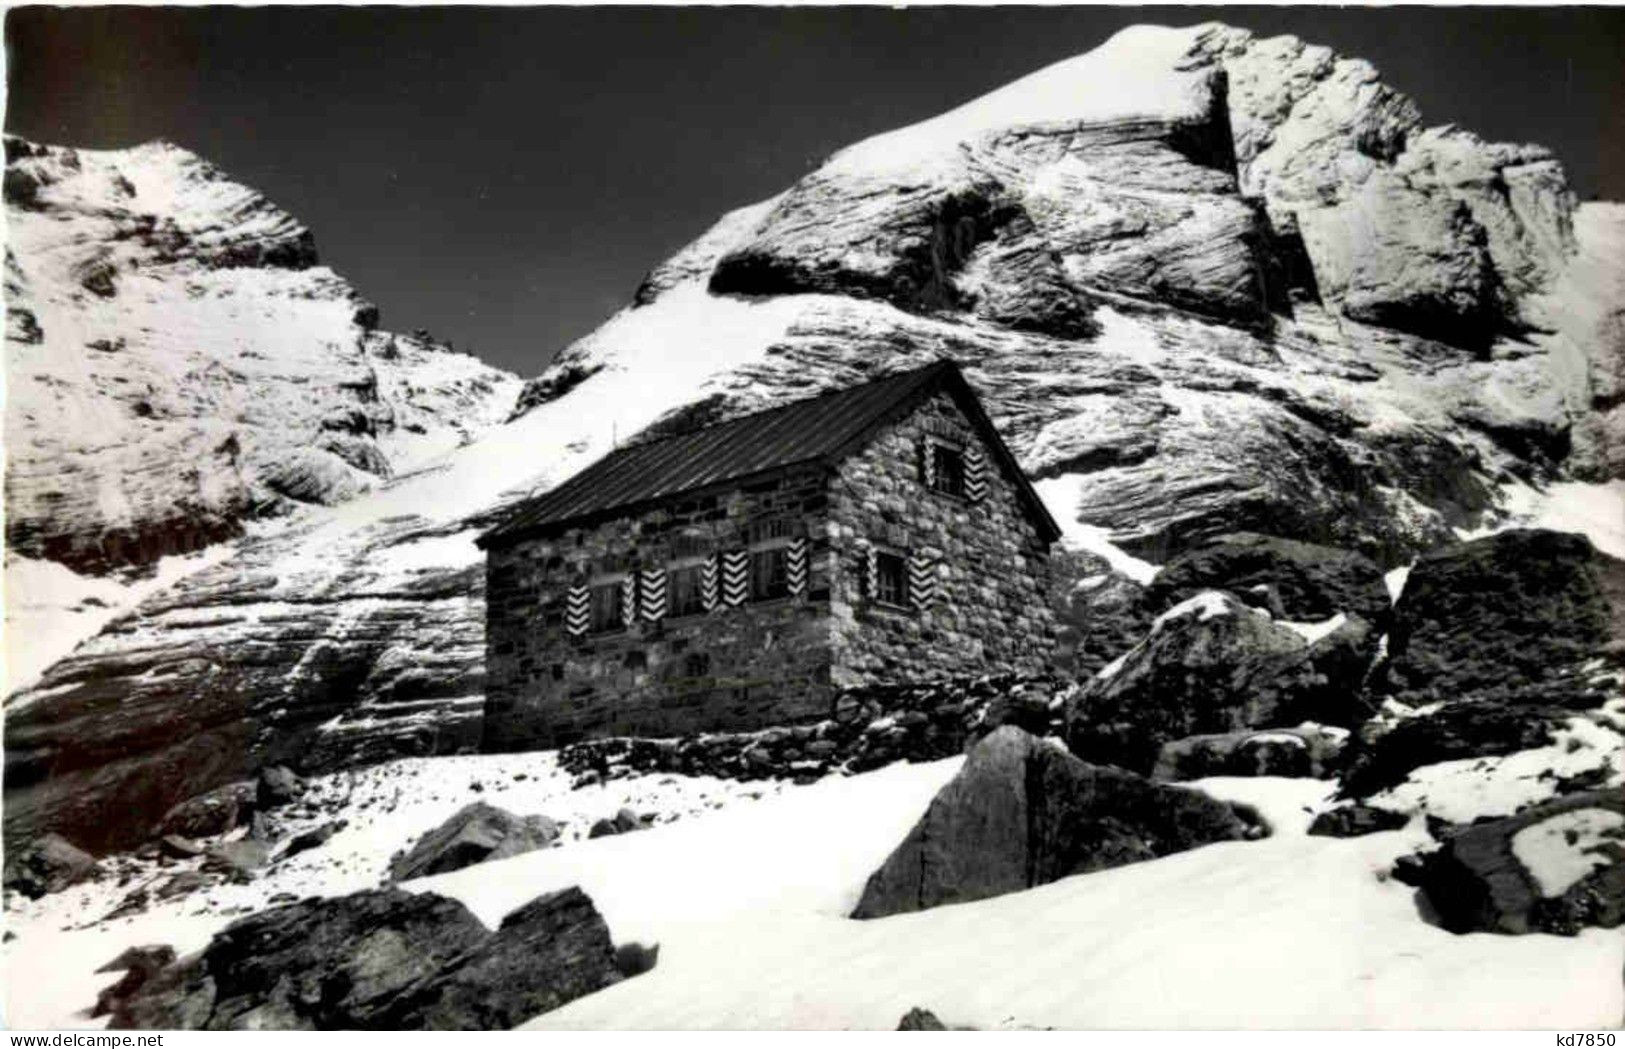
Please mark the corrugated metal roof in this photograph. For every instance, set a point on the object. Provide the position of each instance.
(819, 428)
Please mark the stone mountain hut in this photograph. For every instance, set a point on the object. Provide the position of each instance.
(741, 575)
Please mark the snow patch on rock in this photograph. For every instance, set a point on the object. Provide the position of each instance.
(1561, 851)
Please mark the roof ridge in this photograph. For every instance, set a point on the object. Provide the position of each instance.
(822, 428)
(940, 362)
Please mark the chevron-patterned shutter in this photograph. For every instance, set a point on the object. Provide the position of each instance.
(577, 611)
(975, 474)
(928, 465)
(870, 571)
(735, 578)
(652, 595)
(710, 585)
(922, 581)
(629, 600)
(795, 566)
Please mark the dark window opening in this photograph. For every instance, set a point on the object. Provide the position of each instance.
(697, 664)
(947, 470)
(558, 671)
(891, 579)
(769, 574)
(684, 593)
(606, 608)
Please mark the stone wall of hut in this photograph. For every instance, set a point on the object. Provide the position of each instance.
(988, 611)
(759, 663)
(780, 661)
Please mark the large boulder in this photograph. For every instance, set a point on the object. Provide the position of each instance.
(1023, 812)
(319, 964)
(1554, 868)
(1294, 580)
(548, 952)
(474, 834)
(1515, 616)
(212, 812)
(1213, 665)
(382, 959)
(50, 864)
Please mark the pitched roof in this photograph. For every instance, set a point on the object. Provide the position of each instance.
(826, 429)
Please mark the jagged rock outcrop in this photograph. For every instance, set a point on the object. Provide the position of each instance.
(180, 362)
(1149, 285)
(474, 834)
(1213, 665)
(1023, 812)
(383, 959)
(552, 950)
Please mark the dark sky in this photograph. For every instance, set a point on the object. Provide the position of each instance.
(505, 176)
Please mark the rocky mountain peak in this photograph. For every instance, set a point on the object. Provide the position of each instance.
(180, 362)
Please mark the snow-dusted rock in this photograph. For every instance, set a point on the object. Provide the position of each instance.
(475, 834)
(179, 362)
(1213, 665)
(1301, 582)
(1303, 750)
(212, 812)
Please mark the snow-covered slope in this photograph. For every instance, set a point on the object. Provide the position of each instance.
(1205, 282)
(747, 900)
(177, 361)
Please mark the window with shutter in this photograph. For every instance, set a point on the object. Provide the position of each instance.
(685, 590)
(947, 470)
(890, 578)
(769, 574)
(605, 607)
